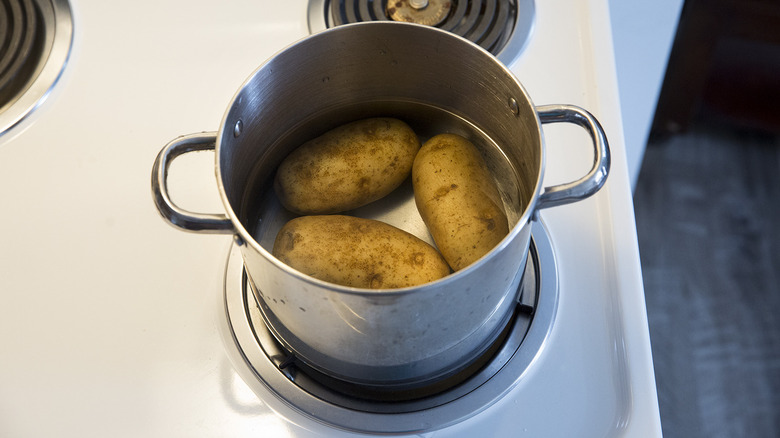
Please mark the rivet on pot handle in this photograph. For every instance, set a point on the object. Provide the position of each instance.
(590, 183)
(186, 220)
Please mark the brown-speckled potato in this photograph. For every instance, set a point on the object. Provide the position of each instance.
(357, 252)
(347, 167)
(458, 199)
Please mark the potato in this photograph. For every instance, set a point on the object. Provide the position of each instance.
(347, 167)
(458, 200)
(357, 252)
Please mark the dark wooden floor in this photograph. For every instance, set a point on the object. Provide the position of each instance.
(708, 219)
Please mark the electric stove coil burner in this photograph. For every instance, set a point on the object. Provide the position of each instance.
(20, 45)
(266, 366)
(501, 27)
(35, 37)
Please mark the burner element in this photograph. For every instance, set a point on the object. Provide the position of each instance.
(500, 26)
(35, 39)
(428, 12)
(20, 41)
(268, 368)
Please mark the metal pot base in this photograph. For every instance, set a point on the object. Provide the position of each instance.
(433, 405)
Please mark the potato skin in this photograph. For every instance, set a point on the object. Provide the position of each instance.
(458, 200)
(357, 252)
(347, 167)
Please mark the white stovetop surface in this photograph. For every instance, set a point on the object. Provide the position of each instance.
(108, 316)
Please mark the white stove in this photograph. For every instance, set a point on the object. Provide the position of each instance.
(114, 324)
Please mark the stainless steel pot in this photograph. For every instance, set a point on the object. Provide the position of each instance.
(436, 82)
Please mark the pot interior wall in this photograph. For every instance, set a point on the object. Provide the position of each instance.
(433, 81)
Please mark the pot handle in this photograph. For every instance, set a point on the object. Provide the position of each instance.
(178, 217)
(595, 179)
